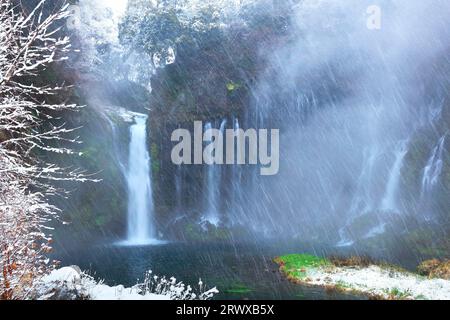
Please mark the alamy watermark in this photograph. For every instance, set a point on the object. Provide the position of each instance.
(373, 12)
(227, 147)
(374, 17)
(74, 20)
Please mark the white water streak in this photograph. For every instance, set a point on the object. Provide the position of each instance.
(389, 202)
(140, 197)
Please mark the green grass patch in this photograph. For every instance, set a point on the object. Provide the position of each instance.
(397, 294)
(237, 288)
(297, 265)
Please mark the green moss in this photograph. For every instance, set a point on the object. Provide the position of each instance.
(89, 153)
(238, 289)
(195, 232)
(154, 151)
(232, 86)
(295, 266)
(100, 221)
(397, 294)
(362, 225)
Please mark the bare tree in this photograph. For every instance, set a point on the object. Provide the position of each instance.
(29, 43)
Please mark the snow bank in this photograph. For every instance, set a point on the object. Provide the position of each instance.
(104, 292)
(70, 283)
(379, 281)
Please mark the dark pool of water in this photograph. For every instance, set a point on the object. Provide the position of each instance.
(239, 271)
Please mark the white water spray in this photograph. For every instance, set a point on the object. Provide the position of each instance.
(389, 201)
(140, 198)
(363, 200)
(235, 216)
(213, 183)
(433, 169)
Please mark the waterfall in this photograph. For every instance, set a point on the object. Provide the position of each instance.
(366, 199)
(213, 183)
(345, 240)
(433, 169)
(140, 198)
(211, 213)
(223, 126)
(431, 176)
(390, 198)
(363, 200)
(236, 180)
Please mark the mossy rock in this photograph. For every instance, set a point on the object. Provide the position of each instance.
(363, 224)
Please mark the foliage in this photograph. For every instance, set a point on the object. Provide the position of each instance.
(29, 126)
(204, 232)
(156, 29)
(231, 86)
(295, 266)
(209, 50)
(154, 154)
(397, 294)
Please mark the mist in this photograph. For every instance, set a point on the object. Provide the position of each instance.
(349, 100)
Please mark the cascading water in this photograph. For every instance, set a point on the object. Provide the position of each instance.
(341, 167)
(236, 188)
(433, 168)
(343, 97)
(140, 198)
(211, 215)
(389, 201)
(366, 201)
(363, 200)
(430, 180)
(341, 94)
(213, 181)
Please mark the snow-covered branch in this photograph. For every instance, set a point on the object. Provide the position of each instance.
(29, 125)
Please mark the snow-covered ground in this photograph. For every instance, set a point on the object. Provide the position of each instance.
(70, 283)
(380, 281)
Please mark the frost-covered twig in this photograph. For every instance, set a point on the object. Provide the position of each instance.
(29, 125)
(174, 289)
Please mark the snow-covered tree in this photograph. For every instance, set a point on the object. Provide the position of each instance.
(30, 125)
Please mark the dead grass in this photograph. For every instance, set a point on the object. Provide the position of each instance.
(435, 269)
(354, 261)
